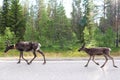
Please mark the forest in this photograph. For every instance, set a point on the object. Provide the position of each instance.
(46, 22)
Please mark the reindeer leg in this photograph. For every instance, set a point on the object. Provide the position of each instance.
(88, 61)
(93, 59)
(106, 59)
(33, 57)
(19, 58)
(24, 58)
(112, 61)
(42, 55)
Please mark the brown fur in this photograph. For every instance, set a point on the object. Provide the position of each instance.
(26, 46)
(97, 51)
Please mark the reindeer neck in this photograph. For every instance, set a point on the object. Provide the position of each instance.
(85, 49)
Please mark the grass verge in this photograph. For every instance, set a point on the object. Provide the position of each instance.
(57, 54)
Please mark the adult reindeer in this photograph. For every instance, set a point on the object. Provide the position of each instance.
(97, 51)
(26, 46)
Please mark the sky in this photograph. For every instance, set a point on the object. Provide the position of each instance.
(68, 7)
(1, 2)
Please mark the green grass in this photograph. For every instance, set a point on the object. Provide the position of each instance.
(115, 51)
(56, 54)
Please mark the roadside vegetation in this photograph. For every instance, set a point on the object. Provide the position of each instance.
(57, 53)
(60, 36)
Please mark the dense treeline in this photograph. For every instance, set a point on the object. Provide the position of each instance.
(45, 21)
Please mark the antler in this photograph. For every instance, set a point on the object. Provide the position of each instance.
(83, 45)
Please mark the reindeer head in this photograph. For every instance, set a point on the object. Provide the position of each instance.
(8, 46)
(83, 46)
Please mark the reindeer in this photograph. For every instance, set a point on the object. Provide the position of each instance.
(26, 46)
(97, 51)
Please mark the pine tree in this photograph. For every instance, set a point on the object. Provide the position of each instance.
(17, 23)
(30, 26)
(77, 21)
(4, 16)
(60, 28)
(0, 16)
(89, 20)
(63, 33)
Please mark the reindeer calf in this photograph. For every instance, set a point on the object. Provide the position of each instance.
(97, 51)
(26, 46)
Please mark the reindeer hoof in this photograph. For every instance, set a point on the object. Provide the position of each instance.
(85, 65)
(97, 63)
(44, 63)
(102, 66)
(18, 62)
(115, 66)
(28, 63)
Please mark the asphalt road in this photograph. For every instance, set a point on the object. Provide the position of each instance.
(58, 70)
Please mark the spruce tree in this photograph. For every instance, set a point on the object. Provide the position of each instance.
(4, 16)
(17, 23)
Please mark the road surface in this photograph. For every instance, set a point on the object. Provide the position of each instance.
(58, 70)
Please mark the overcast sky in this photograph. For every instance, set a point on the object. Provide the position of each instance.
(0, 2)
